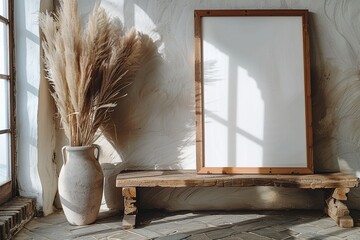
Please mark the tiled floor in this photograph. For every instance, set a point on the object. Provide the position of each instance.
(247, 225)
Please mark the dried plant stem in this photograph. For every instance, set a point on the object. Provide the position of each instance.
(89, 68)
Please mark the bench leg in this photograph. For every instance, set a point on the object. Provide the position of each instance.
(337, 210)
(130, 208)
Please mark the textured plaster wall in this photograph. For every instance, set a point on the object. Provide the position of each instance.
(34, 110)
(154, 127)
(155, 124)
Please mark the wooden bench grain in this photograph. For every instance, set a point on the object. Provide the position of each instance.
(337, 186)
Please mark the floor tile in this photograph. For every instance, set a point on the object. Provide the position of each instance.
(248, 225)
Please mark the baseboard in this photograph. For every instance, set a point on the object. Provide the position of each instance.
(14, 214)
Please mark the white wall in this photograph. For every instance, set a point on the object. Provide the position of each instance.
(159, 130)
(34, 110)
(155, 124)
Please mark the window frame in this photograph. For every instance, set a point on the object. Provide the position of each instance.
(8, 189)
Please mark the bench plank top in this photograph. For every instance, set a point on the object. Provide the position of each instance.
(189, 178)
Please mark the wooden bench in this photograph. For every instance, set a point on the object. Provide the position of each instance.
(337, 185)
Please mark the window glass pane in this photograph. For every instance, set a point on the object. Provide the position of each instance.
(4, 48)
(4, 8)
(4, 158)
(4, 104)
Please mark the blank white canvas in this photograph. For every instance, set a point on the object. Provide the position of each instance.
(254, 96)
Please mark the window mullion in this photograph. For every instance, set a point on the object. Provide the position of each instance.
(12, 94)
(5, 131)
(4, 20)
(4, 77)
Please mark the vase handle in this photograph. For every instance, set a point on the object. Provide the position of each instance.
(98, 151)
(63, 154)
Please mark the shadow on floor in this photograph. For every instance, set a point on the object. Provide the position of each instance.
(156, 224)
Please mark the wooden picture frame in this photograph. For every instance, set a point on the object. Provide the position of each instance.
(253, 96)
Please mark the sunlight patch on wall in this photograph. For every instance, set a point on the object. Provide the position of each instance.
(250, 121)
(216, 113)
(143, 23)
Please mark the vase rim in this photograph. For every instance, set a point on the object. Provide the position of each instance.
(74, 148)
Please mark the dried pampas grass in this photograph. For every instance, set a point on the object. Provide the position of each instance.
(89, 68)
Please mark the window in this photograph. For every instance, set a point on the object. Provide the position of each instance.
(7, 120)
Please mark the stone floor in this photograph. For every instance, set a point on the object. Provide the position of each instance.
(247, 225)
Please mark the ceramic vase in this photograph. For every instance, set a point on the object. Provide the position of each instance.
(81, 184)
(112, 194)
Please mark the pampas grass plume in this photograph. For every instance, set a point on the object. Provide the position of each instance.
(89, 69)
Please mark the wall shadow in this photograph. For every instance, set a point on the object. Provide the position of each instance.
(151, 127)
(324, 145)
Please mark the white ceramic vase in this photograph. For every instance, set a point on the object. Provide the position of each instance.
(112, 194)
(81, 184)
